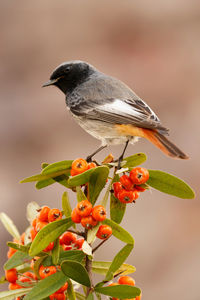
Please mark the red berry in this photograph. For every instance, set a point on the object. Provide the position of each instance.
(40, 225)
(104, 232)
(128, 196)
(76, 218)
(10, 252)
(54, 215)
(126, 182)
(99, 213)
(84, 208)
(55, 296)
(63, 288)
(49, 247)
(68, 238)
(91, 165)
(79, 166)
(14, 286)
(139, 188)
(11, 275)
(46, 271)
(139, 175)
(88, 222)
(43, 214)
(78, 244)
(117, 186)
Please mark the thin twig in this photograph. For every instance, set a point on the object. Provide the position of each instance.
(99, 245)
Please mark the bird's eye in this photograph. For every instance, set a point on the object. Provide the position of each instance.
(67, 69)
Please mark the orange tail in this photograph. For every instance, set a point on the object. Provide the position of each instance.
(155, 138)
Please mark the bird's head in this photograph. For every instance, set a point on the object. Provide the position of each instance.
(69, 74)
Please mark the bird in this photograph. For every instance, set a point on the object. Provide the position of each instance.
(108, 109)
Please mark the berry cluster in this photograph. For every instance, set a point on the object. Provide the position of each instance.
(125, 280)
(128, 189)
(89, 217)
(80, 165)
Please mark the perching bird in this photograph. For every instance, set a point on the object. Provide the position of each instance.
(108, 109)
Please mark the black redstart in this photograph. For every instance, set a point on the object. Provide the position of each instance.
(108, 109)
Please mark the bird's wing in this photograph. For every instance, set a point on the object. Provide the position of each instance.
(119, 111)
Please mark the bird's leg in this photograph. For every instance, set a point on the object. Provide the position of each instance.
(89, 157)
(122, 155)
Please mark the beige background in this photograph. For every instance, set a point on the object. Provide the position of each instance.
(154, 47)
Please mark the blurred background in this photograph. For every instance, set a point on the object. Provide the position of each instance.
(154, 47)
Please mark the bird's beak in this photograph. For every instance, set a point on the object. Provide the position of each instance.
(50, 82)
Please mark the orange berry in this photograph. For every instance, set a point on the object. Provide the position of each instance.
(66, 247)
(126, 182)
(62, 289)
(104, 232)
(139, 188)
(34, 222)
(33, 233)
(68, 238)
(128, 196)
(84, 208)
(27, 277)
(78, 243)
(54, 215)
(43, 214)
(49, 247)
(126, 280)
(76, 218)
(10, 252)
(11, 275)
(46, 271)
(99, 213)
(22, 238)
(14, 286)
(117, 186)
(79, 166)
(139, 175)
(40, 225)
(88, 222)
(33, 261)
(91, 165)
(55, 296)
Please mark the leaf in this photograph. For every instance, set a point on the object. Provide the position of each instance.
(79, 296)
(170, 184)
(17, 259)
(32, 211)
(3, 280)
(66, 205)
(76, 271)
(9, 225)
(74, 255)
(97, 182)
(90, 296)
(57, 166)
(19, 247)
(134, 160)
(70, 291)
(10, 295)
(39, 177)
(91, 235)
(56, 252)
(80, 194)
(86, 248)
(62, 179)
(119, 291)
(117, 208)
(37, 265)
(119, 232)
(80, 179)
(105, 198)
(101, 267)
(48, 234)
(47, 286)
(118, 260)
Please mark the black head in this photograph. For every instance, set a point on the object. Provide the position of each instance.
(70, 74)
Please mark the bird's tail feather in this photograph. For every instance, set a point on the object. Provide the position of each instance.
(156, 138)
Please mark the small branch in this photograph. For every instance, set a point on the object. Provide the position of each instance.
(99, 245)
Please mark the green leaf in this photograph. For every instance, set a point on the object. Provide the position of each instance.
(39, 177)
(17, 259)
(62, 179)
(80, 194)
(118, 260)
(91, 235)
(134, 160)
(73, 255)
(79, 296)
(37, 265)
(3, 280)
(119, 232)
(90, 296)
(101, 267)
(76, 271)
(117, 208)
(56, 252)
(97, 182)
(47, 286)
(19, 247)
(57, 166)
(70, 291)
(66, 205)
(119, 291)
(48, 234)
(170, 184)
(10, 295)
(9, 225)
(81, 178)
